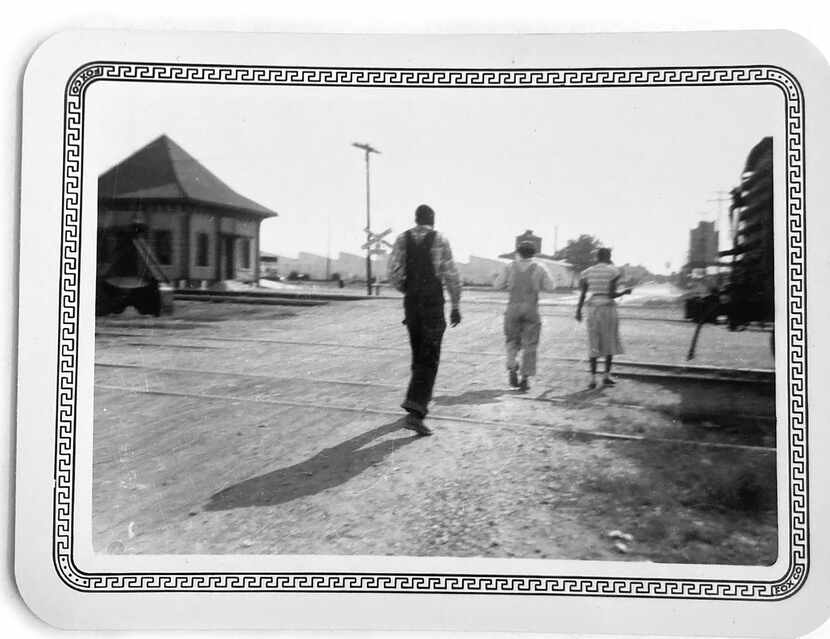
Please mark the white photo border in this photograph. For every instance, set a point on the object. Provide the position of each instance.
(69, 319)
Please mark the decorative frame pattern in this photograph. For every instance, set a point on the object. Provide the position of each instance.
(566, 585)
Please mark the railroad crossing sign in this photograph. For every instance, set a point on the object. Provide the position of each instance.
(375, 242)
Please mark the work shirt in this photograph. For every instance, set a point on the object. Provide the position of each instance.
(540, 276)
(598, 279)
(442, 262)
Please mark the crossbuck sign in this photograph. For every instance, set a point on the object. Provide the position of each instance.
(375, 242)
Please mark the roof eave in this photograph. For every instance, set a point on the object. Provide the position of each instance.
(265, 214)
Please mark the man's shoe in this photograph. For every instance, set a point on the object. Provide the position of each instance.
(413, 422)
(412, 408)
(513, 377)
(524, 385)
(607, 381)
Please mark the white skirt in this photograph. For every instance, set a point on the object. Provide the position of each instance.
(603, 330)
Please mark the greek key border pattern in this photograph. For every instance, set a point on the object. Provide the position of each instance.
(68, 321)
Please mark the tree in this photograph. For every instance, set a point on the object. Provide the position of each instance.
(580, 252)
(635, 274)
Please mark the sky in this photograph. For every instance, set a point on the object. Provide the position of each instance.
(635, 167)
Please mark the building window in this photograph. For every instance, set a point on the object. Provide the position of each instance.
(245, 253)
(202, 246)
(163, 246)
(104, 252)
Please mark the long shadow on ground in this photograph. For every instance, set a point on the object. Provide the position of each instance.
(327, 469)
(486, 396)
(575, 398)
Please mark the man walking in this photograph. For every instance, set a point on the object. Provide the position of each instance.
(524, 278)
(420, 266)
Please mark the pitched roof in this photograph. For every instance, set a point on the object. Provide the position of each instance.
(163, 170)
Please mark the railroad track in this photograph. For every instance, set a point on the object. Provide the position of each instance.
(280, 298)
(541, 397)
(204, 294)
(566, 432)
(768, 420)
(290, 298)
(221, 297)
(622, 367)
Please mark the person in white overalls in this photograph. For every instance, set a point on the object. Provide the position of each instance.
(524, 278)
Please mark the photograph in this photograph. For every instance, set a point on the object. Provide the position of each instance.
(436, 321)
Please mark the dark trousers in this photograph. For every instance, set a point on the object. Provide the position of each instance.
(426, 324)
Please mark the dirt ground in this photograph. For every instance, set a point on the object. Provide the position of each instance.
(259, 429)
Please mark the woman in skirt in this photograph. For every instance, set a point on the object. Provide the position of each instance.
(598, 284)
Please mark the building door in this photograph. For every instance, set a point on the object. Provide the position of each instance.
(230, 257)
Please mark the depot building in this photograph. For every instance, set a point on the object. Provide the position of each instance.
(198, 229)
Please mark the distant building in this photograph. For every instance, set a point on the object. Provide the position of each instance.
(528, 236)
(564, 274)
(353, 267)
(703, 245)
(268, 264)
(320, 267)
(479, 271)
(197, 227)
(310, 264)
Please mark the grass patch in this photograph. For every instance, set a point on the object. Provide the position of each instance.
(730, 481)
(687, 505)
(745, 488)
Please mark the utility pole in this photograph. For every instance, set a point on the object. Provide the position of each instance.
(367, 149)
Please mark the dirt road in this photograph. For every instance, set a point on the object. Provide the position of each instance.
(236, 429)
